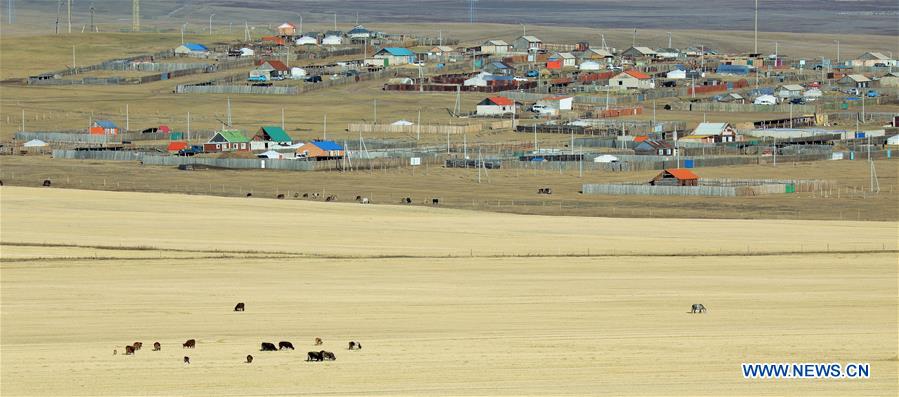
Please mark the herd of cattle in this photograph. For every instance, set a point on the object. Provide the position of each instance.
(320, 355)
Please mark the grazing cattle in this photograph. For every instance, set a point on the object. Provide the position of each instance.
(115, 352)
(239, 307)
(406, 200)
(435, 201)
(157, 347)
(249, 194)
(186, 360)
(544, 190)
(332, 197)
(355, 345)
(358, 198)
(129, 350)
(268, 347)
(249, 359)
(314, 356)
(190, 344)
(697, 308)
(328, 356)
(364, 200)
(1, 183)
(305, 195)
(138, 345)
(285, 345)
(46, 182)
(296, 195)
(318, 341)
(280, 196)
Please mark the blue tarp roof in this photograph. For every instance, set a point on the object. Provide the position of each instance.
(399, 51)
(493, 77)
(105, 124)
(733, 69)
(195, 47)
(327, 145)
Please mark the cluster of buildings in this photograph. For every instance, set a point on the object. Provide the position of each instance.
(270, 142)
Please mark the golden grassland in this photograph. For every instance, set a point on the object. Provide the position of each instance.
(438, 297)
(510, 189)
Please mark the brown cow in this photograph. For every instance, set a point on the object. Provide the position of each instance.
(138, 345)
(328, 356)
(249, 359)
(318, 341)
(190, 344)
(157, 347)
(129, 350)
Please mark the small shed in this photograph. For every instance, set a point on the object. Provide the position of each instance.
(37, 143)
(675, 177)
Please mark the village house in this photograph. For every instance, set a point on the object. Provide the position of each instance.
(308, 38)
(788, 91)
(890, 80)
(359, 33)
(528, 44)
(495, 47)
(589, 66)
(632, 79)
(713, 133)
(496, 106)
(639, 53)
(872, 59)
(596, 54)
(227, 141)
(287, 29)
(499, 68)
(731, 97)
(104, 127)
(668, 53)
(269, 137)
(568, 59)
(652, 147)
(556, 104)
(393, 56)
(191, 49)
(274, 40)
(272, 68)
(854, 81)
(443, 51)
(484, 79)
(320, 150)
(333, 37)
(675, 177)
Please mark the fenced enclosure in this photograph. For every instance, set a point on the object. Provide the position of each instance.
(217, 86)
(740, 108)
(429, 128)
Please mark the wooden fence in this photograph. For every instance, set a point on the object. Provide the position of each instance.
(740, 108)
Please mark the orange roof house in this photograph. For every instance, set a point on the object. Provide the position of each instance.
(675, 177)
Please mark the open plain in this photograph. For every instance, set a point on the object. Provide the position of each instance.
(445, 302)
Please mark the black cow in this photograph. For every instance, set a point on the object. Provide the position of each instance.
(249, 194)
(268, 347)
(46, 183)
(314, 356)
(280, 196)
(697, 308)
(435, 201)
(129, 350)
(157, 347)
(285, 345)
(249, 359)
(190, 344)
(186, 360)
(239, 307)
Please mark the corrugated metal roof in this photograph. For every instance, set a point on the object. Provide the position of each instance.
(195, 47)
(105, 124)
(327, 145)
(636, 74)
(398, 51)
(276, 134)
(681, 173)
(709, 128)
(233, 136)
(500, 100)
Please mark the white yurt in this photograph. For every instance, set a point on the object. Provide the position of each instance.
(605, 158)
(297, 73)
(765, 100)
(402, 122)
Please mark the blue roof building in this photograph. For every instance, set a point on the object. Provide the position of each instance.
(105, 124)
(328, 145)
(733, 69)
(191, 47)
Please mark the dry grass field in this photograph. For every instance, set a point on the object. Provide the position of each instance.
(439, 302)
(510, 189)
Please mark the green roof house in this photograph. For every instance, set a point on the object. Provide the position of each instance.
(270, 137)
(227, 141)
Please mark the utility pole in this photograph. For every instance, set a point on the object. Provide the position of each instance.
(418, 126)
(93, 27)
(756, 50)
(127, 119)
(325, 128)
(229, 112)
(135, 16)
(335, 21)
(11, 10)
(669, 39)
(838, 51)
(634, 42)
(58, 9)
(282, 118)
(188, 126)
(210, 23)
